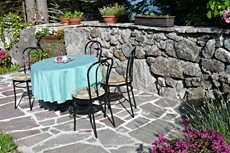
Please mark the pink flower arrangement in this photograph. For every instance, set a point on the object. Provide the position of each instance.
(4, 57)
(196, 141)
(59, 32)
(226, 15)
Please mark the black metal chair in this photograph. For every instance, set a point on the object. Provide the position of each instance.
(125, 80)
(26, 78)
(84, 98)
(93, 47)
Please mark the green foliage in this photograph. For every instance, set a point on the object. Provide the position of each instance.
(153, 15)
(214, 115)
(216, 7)
(7, 70)
(192, 12)
(115, 10)
(76, 14)
(6, 142)
(43, 32)
(35, 57)
(14, 23)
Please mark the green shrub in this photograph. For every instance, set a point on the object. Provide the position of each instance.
(114, 10)
(213, 114)
(6, 143)
(10, 69)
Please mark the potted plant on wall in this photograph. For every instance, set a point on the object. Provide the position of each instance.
(155, 20)
(74, 18)
(45, 32)
(63, 18)
(111, 13)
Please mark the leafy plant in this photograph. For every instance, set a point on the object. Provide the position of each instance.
(76, 14)
(153, 15)
(213, 115)
(113, 10)
(201, 141)
(34, 57)
(6, 143)
(14, 23)
(9, 69)
(216, 7)
(43, 32)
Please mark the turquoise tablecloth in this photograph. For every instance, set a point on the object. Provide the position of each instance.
(52, 81)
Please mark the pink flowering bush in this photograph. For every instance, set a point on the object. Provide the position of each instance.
(4, 58)
(226, 15)
(203, 141)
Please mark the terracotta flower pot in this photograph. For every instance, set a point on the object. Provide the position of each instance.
(50, 36)
(73, 21)
(64, 20)
(110, 19)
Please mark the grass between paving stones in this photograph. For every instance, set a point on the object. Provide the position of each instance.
(7, 143)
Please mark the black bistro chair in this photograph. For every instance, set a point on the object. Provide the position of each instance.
(26, 78)
(93, 47)
(125, 80)
(84, 98)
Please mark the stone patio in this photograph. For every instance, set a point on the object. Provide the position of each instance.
(41, 130)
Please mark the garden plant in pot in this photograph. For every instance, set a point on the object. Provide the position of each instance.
(64, 19)
(74, 18)
(111, 13)
(45, 32)
(219, 8)
(155, 20)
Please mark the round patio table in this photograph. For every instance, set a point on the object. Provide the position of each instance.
(54, 81)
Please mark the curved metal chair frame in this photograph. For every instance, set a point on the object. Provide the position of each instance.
(128, 81)
(87, 105)
(90, 46)
(26, 70)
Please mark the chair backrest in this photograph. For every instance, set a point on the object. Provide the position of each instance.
(106, 64)
(129, 69)
(93, 47)
(32, 53)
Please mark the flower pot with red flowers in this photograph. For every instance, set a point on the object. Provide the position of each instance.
(74, 18)
(111, 13)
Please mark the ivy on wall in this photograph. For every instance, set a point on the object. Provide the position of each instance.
(11, 22)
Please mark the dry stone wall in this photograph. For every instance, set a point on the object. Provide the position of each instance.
(180, 62)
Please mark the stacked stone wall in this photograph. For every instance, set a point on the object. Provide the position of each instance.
(180, 62)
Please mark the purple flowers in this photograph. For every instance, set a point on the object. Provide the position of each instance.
(196, 141)
(226, 15)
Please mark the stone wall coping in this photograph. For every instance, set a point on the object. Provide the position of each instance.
(177, 29)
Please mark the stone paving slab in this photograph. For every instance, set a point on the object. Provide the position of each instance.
(49, 131)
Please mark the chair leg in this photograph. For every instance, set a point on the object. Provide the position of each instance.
(131, 106)
(93, 119)
(134, 101)
(111, 112)
(28, 92)
(74, 114)
(15, 98)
